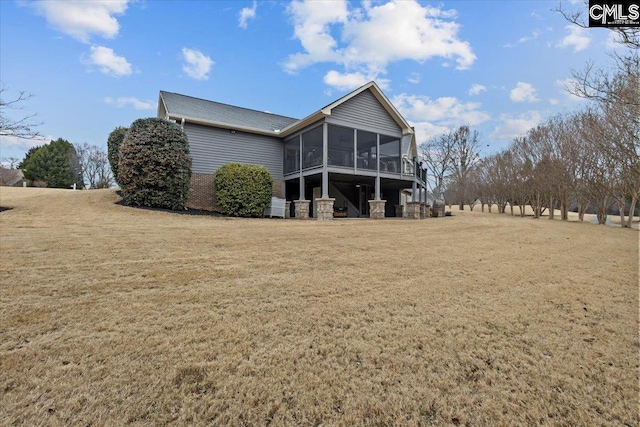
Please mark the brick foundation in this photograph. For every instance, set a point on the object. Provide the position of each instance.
(202, 195)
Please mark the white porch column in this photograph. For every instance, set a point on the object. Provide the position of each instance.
(325, 160)
(377, 192)
(301, 197)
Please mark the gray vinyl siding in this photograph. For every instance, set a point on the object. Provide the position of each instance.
(364, 111)
(212, 147)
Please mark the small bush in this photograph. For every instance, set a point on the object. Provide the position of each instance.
(113, 148)
(243, 190)
(154, 168)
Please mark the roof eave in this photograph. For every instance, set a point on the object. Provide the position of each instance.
(302, 123)
(225, 125)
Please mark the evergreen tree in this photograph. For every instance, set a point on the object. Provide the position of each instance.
(56, 165)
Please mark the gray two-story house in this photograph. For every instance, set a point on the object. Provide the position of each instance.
(355, 157)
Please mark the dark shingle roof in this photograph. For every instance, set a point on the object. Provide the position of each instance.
(187, 106)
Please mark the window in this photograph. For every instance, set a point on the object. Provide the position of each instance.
(312, 148)
(367, 158)
(340, 146)
(292, 155)
(389, 154)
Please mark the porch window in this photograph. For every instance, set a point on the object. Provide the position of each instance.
(340, 146)
(292, 155)
(367, 158)
(312, 148)
(389, 154)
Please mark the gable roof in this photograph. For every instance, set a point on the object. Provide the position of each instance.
(326, 111)
(222, 115)
(173, 105)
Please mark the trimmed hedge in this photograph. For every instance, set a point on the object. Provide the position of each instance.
(243, 190)
(154, 168)
(113, 148)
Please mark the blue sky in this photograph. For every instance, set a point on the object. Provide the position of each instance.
(500, 66)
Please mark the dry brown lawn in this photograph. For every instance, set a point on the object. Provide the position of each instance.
(111, 315)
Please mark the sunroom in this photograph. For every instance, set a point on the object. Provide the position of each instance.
(335, 170)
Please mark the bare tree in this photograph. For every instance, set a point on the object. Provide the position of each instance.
(616, 91)
(20, 128)
(95, 166)
(465, 155)
(437, 155)
(12, 162)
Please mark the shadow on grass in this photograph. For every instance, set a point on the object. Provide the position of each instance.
(186, 211)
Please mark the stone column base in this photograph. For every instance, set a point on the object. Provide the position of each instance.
(301, 209)
(423, 210)
(376, 209)
(287, 209)
(399, 211)
(413, 210)
(325, 209)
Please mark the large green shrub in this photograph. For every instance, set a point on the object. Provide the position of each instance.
(154, 168)
(243, 190)
(54, 165)
(113, 148)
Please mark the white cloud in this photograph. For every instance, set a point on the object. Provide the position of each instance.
(554, 101)
(365, 40)
(577, 38)
(533, 36)
(426, 130)
(476, 89)
(82, 19)
(109, 63)
(346, 81)
(432, 117)
(197, 65)
(523, 92)
(246, 14)
(350, 81)
(312, 21)
(513, 126)
(9, 141)
(414, 78)
(134, 102)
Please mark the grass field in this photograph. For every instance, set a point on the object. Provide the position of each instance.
(111, 315)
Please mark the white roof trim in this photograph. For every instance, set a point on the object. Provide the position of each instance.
(224, 125)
